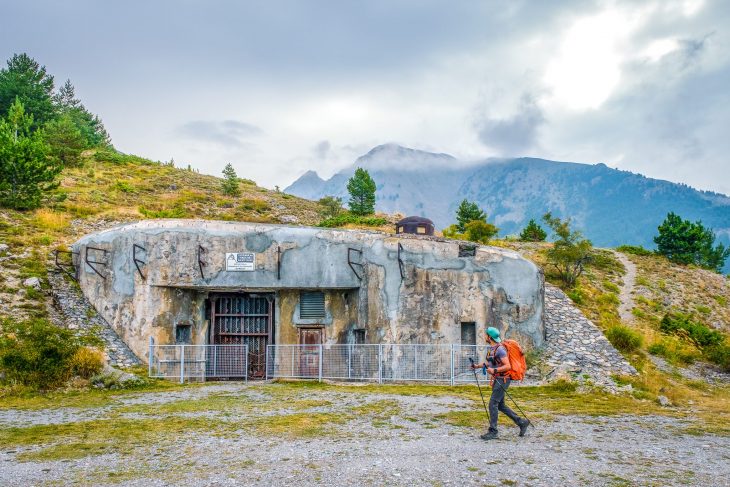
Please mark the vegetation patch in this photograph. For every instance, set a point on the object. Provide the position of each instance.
(351, 219)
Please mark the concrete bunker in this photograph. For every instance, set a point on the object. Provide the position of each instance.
(207, 282)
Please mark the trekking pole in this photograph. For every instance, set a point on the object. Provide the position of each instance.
(515, 402)
(480, 388)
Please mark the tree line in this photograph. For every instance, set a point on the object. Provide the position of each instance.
(42, 130)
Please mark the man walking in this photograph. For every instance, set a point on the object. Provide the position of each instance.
(498, 364)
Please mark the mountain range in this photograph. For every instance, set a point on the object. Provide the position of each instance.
(611, 207)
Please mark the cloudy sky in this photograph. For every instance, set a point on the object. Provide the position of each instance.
(279, 87)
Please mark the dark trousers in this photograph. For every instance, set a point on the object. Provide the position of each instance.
(496, 403)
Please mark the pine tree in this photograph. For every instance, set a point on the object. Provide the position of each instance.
(25, 79)
(533, 232)
(65, 140)
(89, 125)
(26, 170)
(684, 242)
(230, 181)
(362, 193)
(468, 212)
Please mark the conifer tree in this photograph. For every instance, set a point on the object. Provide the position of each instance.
(25, 79)
(26, 170)
(533, 232)
(362, 193)
(468, 212)
(230, 181)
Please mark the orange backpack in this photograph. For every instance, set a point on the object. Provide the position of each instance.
(516, 359)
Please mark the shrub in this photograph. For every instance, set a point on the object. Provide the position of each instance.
(563, 386)
(720, 355)
(576, 295)
(674, 351)
(177, 212)
(700, 333)
(634, 249)
(348, 218)
(87, 362)
(624, 338)
(124, 187)
(36, 353)
(259, 206)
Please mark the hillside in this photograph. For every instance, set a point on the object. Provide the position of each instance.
(612, 207)
(109, 188)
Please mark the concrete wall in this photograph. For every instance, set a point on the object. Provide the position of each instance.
(437, 291)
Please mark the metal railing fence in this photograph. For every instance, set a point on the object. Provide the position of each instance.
(198, 362)
(374, 362)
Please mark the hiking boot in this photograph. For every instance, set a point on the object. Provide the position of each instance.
(489, 435)
(523, 426)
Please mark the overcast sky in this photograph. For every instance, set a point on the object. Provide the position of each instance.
(279, 87)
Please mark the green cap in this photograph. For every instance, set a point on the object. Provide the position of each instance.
(494, 333)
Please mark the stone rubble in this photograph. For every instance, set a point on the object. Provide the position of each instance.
(577, 346)
(74, 311)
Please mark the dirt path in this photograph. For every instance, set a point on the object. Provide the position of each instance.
(390, 439)
(626, 295)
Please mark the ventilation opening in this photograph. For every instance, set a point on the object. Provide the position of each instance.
(467, 250)
(183, 333)
(311, 305)
(468, 333)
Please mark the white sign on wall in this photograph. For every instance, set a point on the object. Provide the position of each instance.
(240, 261)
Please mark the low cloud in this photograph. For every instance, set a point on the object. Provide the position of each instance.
(515, 135)
(226, 133)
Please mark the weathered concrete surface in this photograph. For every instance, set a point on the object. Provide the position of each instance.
(423, 298)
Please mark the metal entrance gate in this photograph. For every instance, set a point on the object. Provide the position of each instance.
(244, 319)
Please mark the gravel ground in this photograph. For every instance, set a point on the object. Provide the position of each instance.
(625, 450)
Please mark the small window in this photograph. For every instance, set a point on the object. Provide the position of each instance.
(311, 305)
(421, 230)
(468, 333)
(183, 333)
(359, 336)
(467, 250)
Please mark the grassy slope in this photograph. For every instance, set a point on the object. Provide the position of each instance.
(660, 287)
(111, 188)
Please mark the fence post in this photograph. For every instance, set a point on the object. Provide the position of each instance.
(380, 363)
(415, 361)
(452, 364)
(349, 361)
(149, 358)
(182, 363)
(215, 360)
(320, 362)
(245, 365)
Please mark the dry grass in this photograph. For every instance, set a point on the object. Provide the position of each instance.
(46, 219)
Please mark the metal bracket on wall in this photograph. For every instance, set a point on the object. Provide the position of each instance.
(278, 262)
(401, 264)
(351, 263)
(138, 261)
(201, 264)
(62, 266)
(93, 263)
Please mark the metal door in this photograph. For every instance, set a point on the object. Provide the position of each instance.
(243, 319)
(309, 339)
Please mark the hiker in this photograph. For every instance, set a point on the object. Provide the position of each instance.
(498, 366)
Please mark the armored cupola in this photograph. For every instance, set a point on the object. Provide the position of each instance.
(416, 225)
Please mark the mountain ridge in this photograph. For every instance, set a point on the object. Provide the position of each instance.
(611, 206)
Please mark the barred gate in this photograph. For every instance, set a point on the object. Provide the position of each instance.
(377, 362)
(198, 362)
